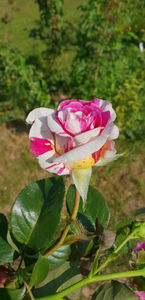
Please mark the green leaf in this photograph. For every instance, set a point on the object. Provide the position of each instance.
(87, 224)
(114, 290)
(58, 257)
(47, 264)
(40, 271)
(11, 242)
(7, 253)
(119, 240)
(3, 226)
(59, 279)
(35, 214)
(96, 208)
(123, 223)
(12, 294)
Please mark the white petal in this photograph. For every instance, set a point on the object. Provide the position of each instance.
(47, 156)
(82, 151)
(108, 128)
(106, 160)
(115, 133)
(57, 168)
(106, 106)
(40, 129)
(37, 113)
(73, 123)
(54, 126)
(85, 137)
(81, 180)
(63, 144)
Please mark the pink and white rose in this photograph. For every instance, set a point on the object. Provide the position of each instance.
(78, 135)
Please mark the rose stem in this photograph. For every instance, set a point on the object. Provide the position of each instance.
(96, 278)
(29, 290)
(66, 230)
(76, 206)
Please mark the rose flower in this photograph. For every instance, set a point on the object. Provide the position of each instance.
(73, 138)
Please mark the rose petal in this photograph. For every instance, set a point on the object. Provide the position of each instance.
(81, 180)
(47, 156)
(40, 129)
(139, 247)
(63, 144)
(54, 126)
(37, 113)
(104, 161)
(115, 133)
(83, 151)
(85, 137)
(140, 294)
(57, 168)
(73, 123)
(87, 149)
(40, 146)
(106, 106)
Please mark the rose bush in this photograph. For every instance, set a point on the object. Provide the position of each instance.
(78, 135)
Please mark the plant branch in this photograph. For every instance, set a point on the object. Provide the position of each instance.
(59, 243)
(96, 278)
(113, 255)
(20, 263)
(29, 290)
(76, 206)
(66, 230)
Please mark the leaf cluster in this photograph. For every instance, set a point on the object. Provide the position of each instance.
(29, 244)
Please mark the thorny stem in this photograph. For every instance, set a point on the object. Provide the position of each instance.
(66, 230)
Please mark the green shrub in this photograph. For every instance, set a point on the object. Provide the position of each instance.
(22, 86)
(108, 63)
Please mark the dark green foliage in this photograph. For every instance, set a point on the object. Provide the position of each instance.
(55, 33)
(108, 63)
(47, 264)
(12, 294)
(22, 86)
(7, 253)
(62, 277)
(35, 214)
(58, 257)
(114, 290)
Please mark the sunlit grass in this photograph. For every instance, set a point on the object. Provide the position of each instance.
(18, 18)
(21, 16)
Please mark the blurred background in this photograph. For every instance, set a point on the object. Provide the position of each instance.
(51, 50)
